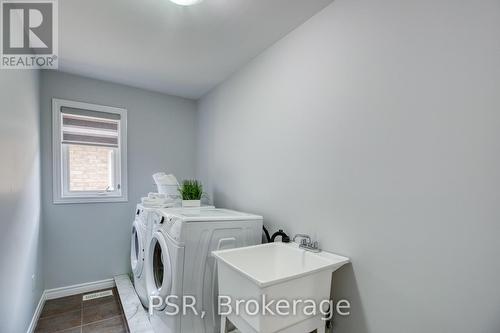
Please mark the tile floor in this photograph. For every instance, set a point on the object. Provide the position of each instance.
(72, 315)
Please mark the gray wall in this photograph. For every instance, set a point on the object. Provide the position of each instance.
(20, 235)
(90, 242)
(375, 128)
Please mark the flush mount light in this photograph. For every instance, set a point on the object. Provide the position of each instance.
(186, 2)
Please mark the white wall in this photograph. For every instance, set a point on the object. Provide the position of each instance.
(20, 235)
(375, 128)
(90, 242)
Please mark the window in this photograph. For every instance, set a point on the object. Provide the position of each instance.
(90, 152)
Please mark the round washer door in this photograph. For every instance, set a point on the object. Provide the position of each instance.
(159, 275)
(137, 249)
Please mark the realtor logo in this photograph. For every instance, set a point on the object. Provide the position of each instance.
(29, 34)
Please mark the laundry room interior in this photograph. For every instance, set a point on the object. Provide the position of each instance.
(247, 166)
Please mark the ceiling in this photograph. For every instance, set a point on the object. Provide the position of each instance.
(160, 46)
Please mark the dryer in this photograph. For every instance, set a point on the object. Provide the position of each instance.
(179, 261)
(140, 238)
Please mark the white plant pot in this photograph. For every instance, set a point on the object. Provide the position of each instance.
(191, 203)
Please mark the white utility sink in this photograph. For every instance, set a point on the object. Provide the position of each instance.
(278, 271)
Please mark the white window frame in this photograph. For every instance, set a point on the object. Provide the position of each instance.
(61, 194)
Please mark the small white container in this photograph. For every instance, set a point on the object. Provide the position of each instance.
(191, 203)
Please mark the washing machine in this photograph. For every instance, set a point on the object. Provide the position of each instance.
(179, 263)
(142, 228)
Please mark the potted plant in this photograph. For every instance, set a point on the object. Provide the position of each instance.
(191, 192)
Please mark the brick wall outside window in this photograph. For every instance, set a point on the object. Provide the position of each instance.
(89, 167)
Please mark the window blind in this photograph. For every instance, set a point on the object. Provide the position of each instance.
(86, 127)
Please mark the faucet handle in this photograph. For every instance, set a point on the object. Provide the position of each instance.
(308, 245)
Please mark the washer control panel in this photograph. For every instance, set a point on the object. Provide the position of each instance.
(169, 224)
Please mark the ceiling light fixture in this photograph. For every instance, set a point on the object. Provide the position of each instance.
(186, 2)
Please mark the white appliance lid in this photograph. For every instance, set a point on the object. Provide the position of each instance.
(209, 214)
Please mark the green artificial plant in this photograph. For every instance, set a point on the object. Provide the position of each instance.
(191, 189)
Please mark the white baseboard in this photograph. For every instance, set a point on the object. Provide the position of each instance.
(67, 291)
(37, 313)
(79, 288)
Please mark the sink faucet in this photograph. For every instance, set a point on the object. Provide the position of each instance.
(306, 243)
(302, 236)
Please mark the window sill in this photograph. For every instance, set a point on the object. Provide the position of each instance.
(90, 200)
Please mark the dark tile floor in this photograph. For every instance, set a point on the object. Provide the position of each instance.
(72, 315)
